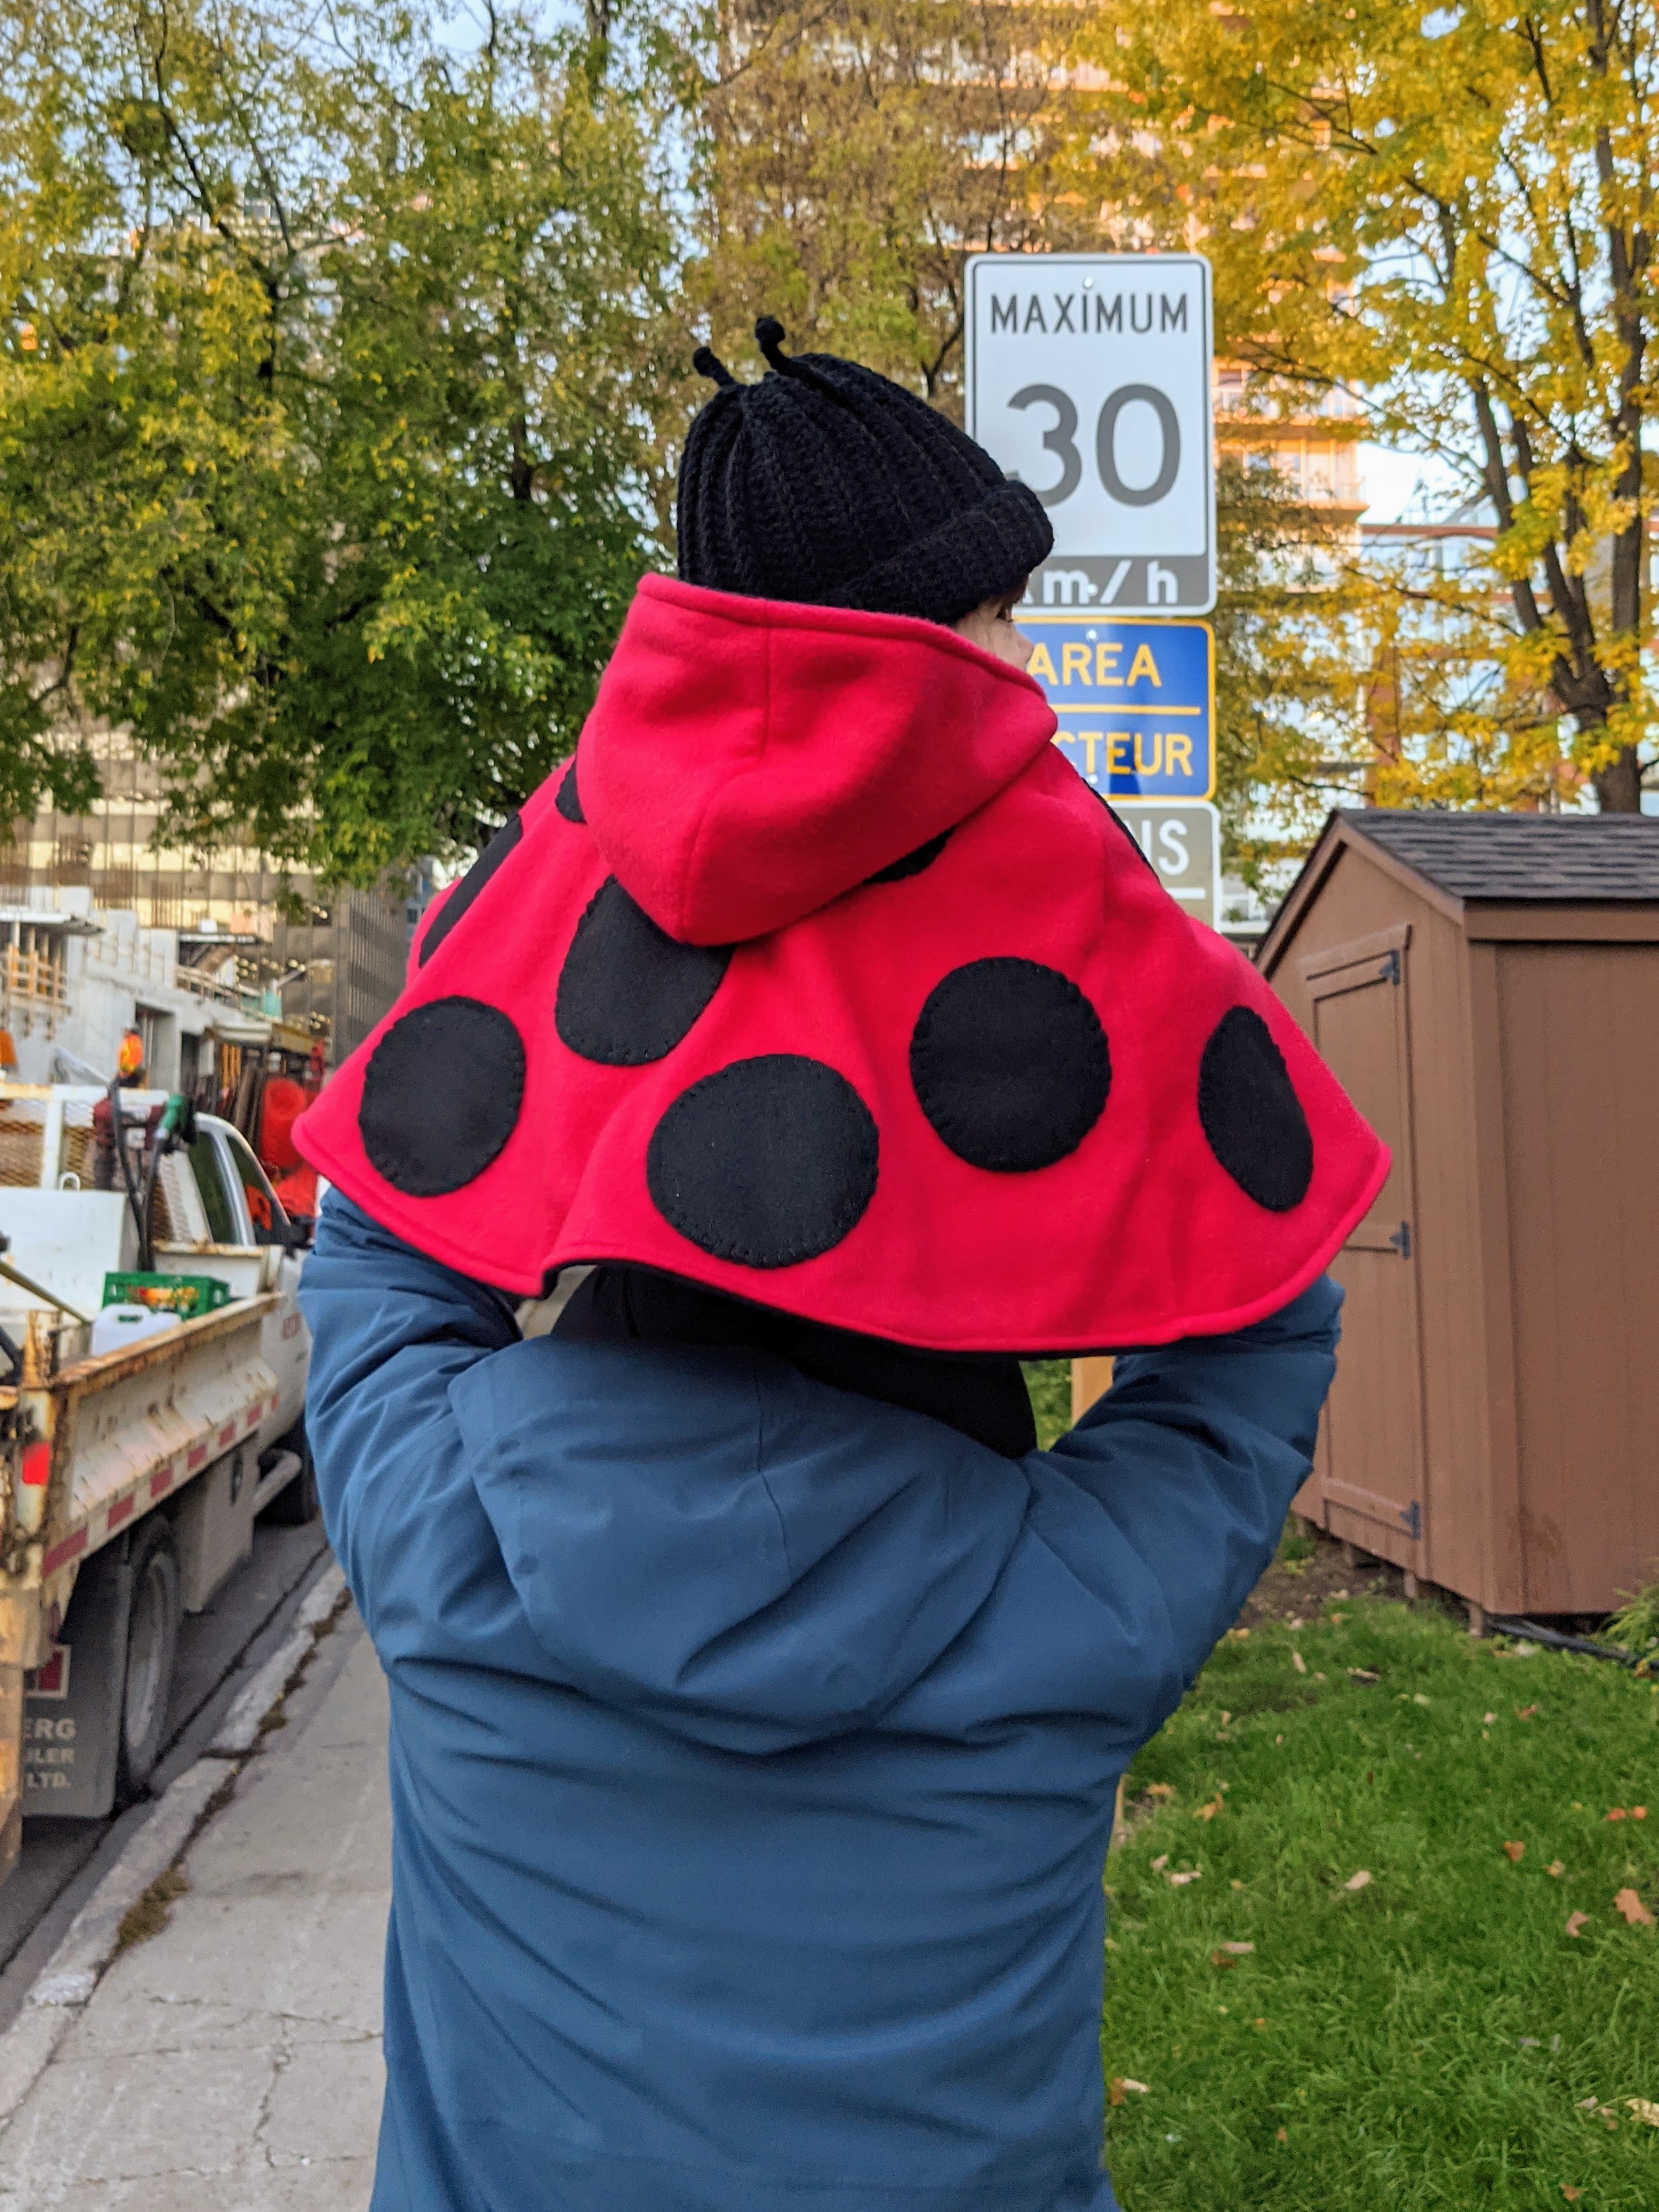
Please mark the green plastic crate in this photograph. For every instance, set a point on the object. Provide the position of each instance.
(185, 1295)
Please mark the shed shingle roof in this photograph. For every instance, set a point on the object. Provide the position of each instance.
(1521, 857)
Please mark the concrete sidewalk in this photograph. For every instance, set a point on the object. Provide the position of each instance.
(232, 2063)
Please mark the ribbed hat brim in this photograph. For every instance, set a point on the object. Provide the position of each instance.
(977, 555)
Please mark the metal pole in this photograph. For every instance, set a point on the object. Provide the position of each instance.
(38, 1291)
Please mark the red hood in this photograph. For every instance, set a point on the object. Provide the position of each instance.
(746, 761)
(821, 979)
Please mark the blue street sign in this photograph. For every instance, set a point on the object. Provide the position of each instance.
(1136, 701)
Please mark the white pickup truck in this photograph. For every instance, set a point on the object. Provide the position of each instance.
(128, 1481)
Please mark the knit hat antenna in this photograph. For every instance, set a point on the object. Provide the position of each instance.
(827, 484)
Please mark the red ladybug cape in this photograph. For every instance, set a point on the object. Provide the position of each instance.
(822, 978)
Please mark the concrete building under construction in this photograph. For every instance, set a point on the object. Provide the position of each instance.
(216, 933)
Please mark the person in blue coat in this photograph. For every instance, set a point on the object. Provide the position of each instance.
(755, 1741)
(759, 1691)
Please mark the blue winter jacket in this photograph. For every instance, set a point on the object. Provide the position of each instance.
(754, 1744)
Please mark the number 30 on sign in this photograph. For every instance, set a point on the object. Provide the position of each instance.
(1088, 379)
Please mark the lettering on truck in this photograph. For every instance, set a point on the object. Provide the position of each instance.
(48, 1753)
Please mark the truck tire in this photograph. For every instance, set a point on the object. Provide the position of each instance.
(295, 1503)
(152, 1644)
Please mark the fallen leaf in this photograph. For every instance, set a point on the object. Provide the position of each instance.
(1364, 1674)
(1134, 2088)
(1237, 1884)
(1297, 1661)
(1571, 2194)
(1338, 1617)
(1644, 2109)
(1318, 1676)
(1278, 1739)
(1160, 1862)
(1239, 1950)
(1283, 2135)
(1181, 1880)
(1220, 1961)
(1420, 1699)
(1575, 1920)
(1338, 1595)
(1487, 1719)
(1619, 1813)
(1217, 1804)
(1555, 1868)
(1360, 1880)
(1514, 1853)
(1636, 1913)
(1525, 1712)
(1159, 1790)
(1258, 2023)
(1638, 1811)
(1237, 1635)
(1297, 1622)
(1225, 1717)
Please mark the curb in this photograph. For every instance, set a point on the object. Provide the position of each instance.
(239, 1729)
(64, 1985)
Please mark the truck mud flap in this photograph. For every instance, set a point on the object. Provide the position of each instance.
(72, 1705)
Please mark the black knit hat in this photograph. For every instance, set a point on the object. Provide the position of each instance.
(827, 484)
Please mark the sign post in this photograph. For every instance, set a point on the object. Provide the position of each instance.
(1088, 378)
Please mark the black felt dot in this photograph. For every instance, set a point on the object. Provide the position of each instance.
(768, 1162)
(470, 885)
(1010, 1064)
(1251, 1114)
(913, 863)
(442, 1096)
(628, 992)
(567, 799)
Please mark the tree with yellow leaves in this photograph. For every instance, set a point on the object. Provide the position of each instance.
(1450, 217)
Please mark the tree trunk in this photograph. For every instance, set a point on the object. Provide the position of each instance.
(1619, 786)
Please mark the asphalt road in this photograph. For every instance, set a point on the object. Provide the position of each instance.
(62, 1860)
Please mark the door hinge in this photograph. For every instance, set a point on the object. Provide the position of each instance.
(1401, 1239)
(1412, 1515)
(1389, 970)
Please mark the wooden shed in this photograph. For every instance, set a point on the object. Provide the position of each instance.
(1487, 987)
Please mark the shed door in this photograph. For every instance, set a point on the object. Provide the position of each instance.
(1370, 1469)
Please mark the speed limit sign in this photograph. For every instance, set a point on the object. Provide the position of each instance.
(1088, 379)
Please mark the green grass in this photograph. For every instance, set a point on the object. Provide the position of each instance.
(1635, 1623)
(1049, 1384)
(1428, 2040)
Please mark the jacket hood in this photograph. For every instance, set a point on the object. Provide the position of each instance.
(821, 979)
(746, 761)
